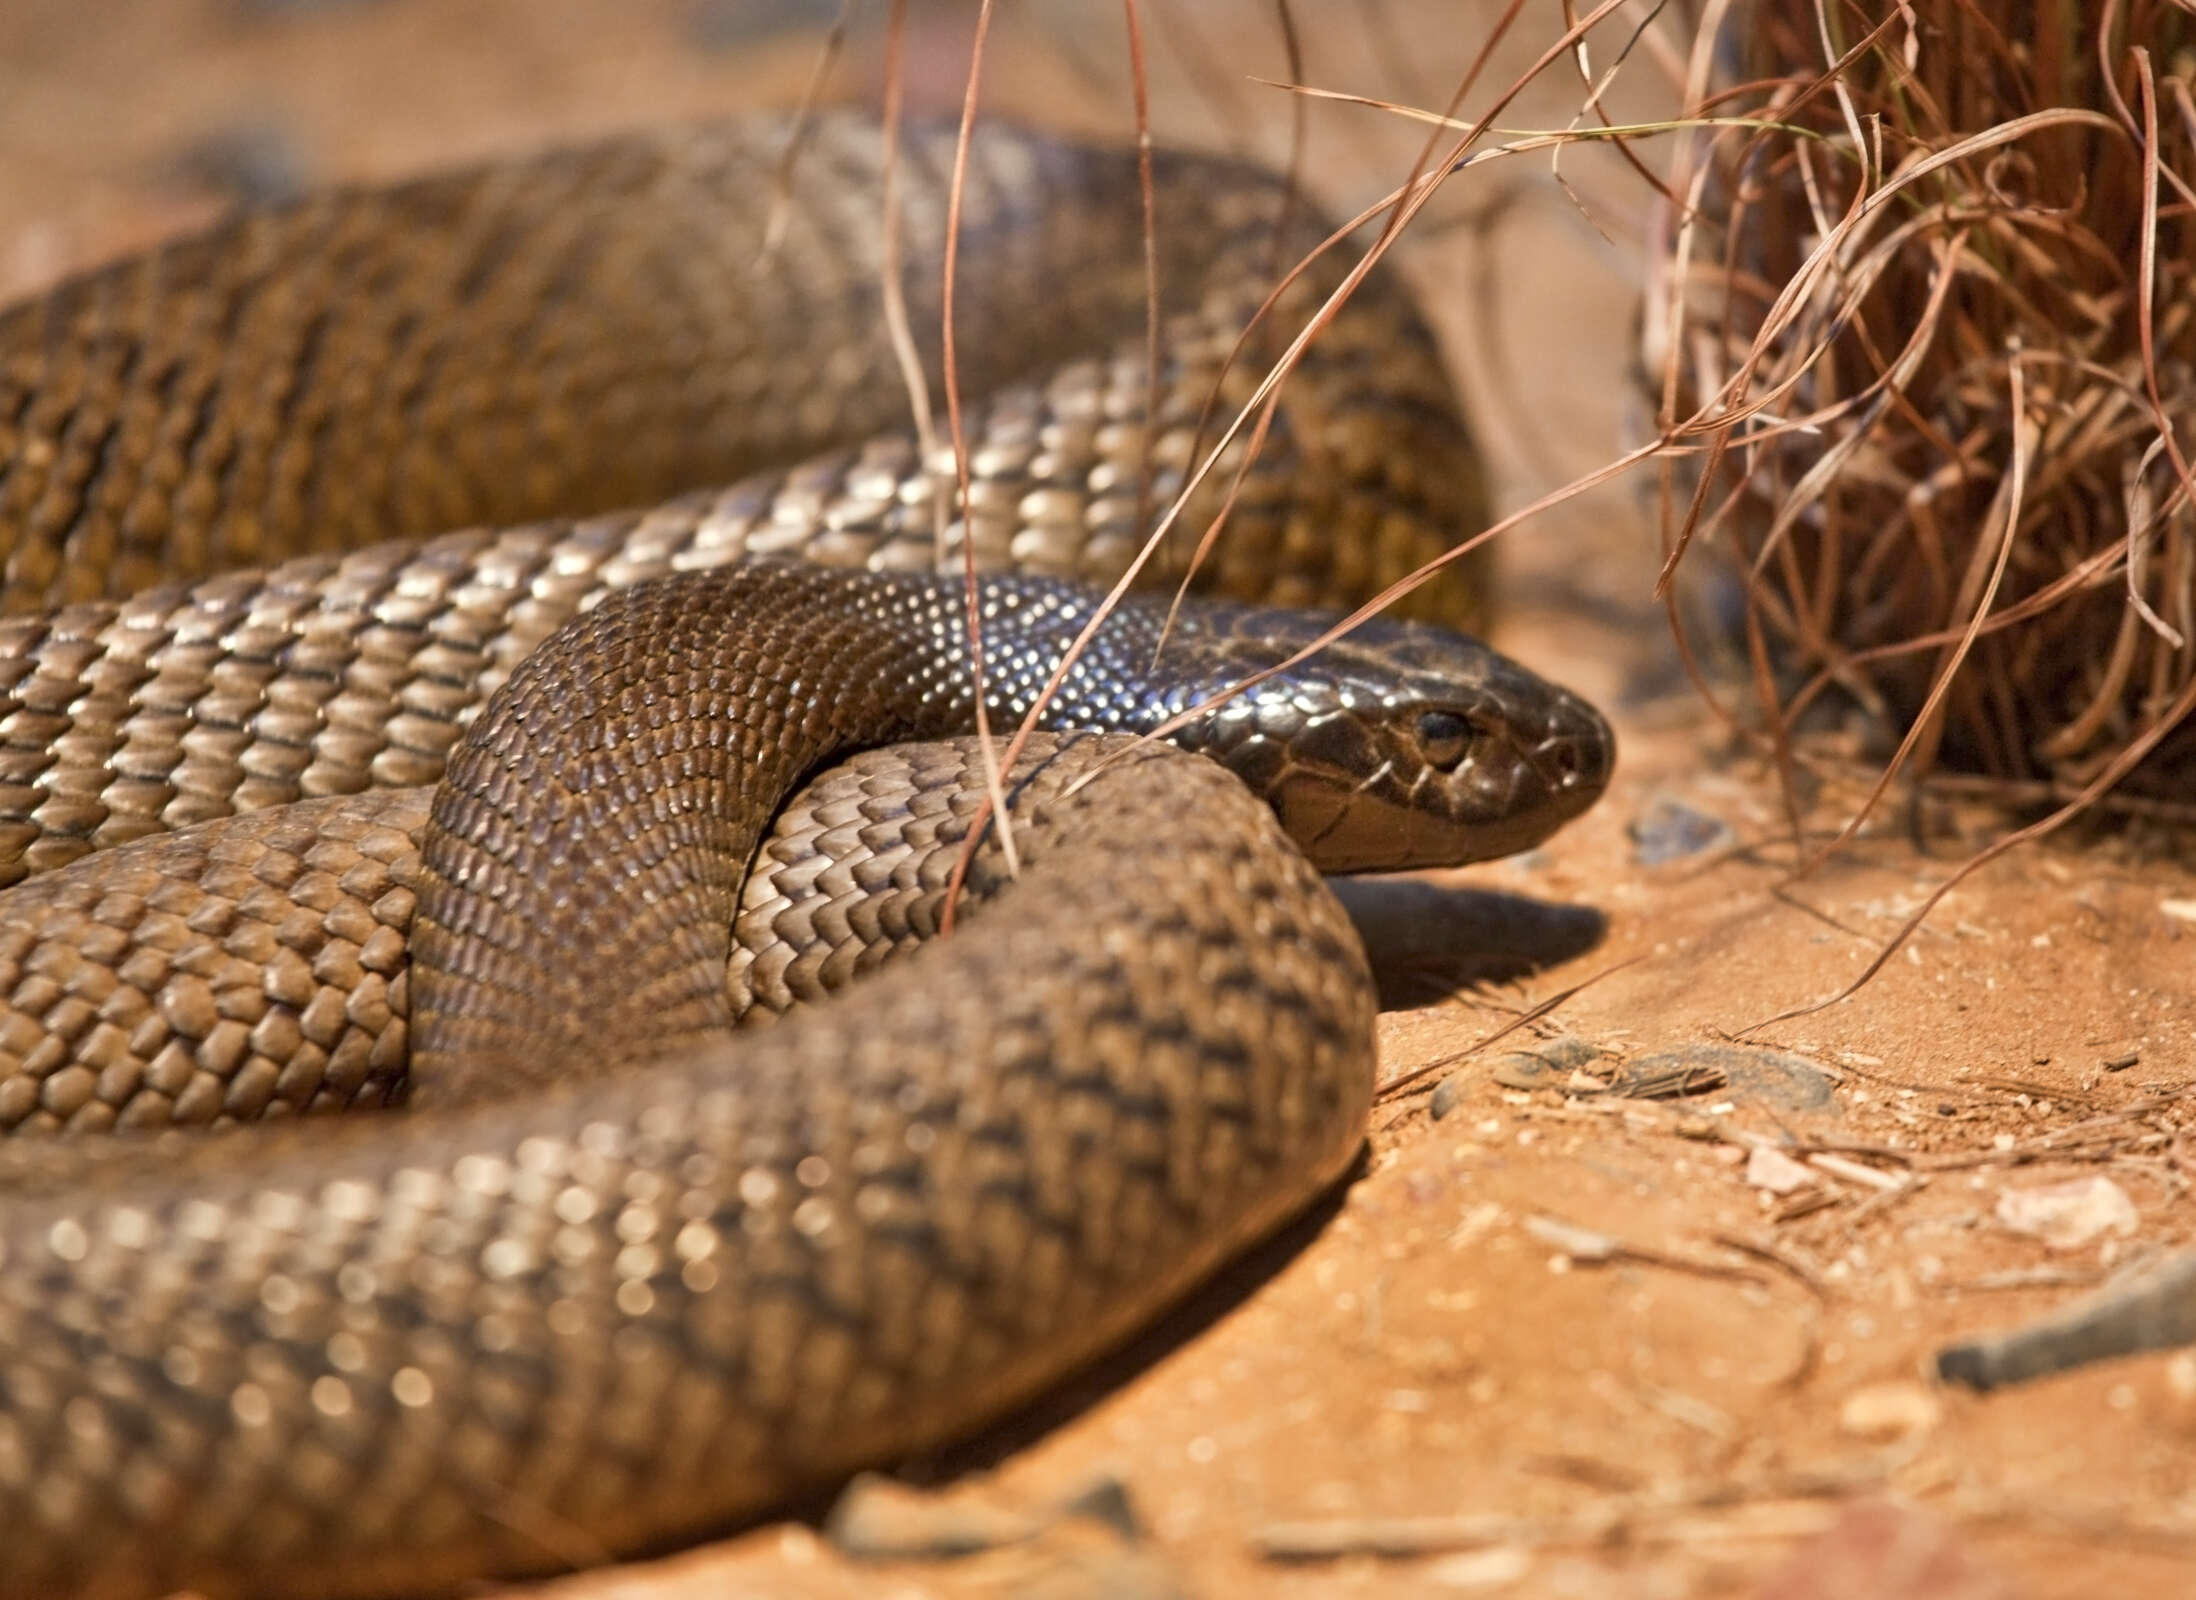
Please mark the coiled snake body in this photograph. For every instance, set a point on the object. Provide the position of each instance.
(612, 1281)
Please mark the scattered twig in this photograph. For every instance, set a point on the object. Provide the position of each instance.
(1854, 1172)
(1406, 1081)
(1600, 1249)
(2152, 1309)
(2023, 1278)
(1768, 1506)
(781, 181)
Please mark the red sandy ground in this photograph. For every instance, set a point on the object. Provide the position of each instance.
(1681, 1421)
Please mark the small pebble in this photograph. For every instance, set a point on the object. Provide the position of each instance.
(1519, 1071)
(1674, 1075)
(1552, 1064)
(1448, 1093)
(1671, 830)
(1105, 1500)
(1770, 1168)
(876, 1519)
(797, 1544)
(1479, 1569)
(254, 164)
(1566, 1050)
(2068, 1215)
(2179, 1410)
(1889, 1411)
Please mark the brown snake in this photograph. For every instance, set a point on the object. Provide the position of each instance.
(612, 1281)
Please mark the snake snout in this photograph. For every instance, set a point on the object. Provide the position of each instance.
(1576, 752)
(1401, 746)
(1537, 757)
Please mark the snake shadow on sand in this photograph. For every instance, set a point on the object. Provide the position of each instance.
(1426, 941)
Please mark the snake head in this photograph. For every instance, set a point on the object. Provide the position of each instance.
(1400, 745)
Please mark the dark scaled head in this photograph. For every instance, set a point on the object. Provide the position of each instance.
(1400, 745)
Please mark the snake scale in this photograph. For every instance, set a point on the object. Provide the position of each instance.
(301, 793)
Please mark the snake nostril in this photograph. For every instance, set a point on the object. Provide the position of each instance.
(1577, 753)
(1566, 763)
(1578, 762)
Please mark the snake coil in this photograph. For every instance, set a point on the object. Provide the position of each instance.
(615, 1279)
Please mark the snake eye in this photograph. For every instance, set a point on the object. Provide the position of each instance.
(1444, 739)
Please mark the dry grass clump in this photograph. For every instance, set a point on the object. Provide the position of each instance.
(1931, 311)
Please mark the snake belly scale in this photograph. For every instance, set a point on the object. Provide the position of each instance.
(613, 1278)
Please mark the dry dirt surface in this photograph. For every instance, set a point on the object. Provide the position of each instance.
(1558, 1336)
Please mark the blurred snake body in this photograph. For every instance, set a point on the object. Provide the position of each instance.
(310, 803)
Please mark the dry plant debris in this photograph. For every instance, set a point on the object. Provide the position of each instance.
(1928, 305)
